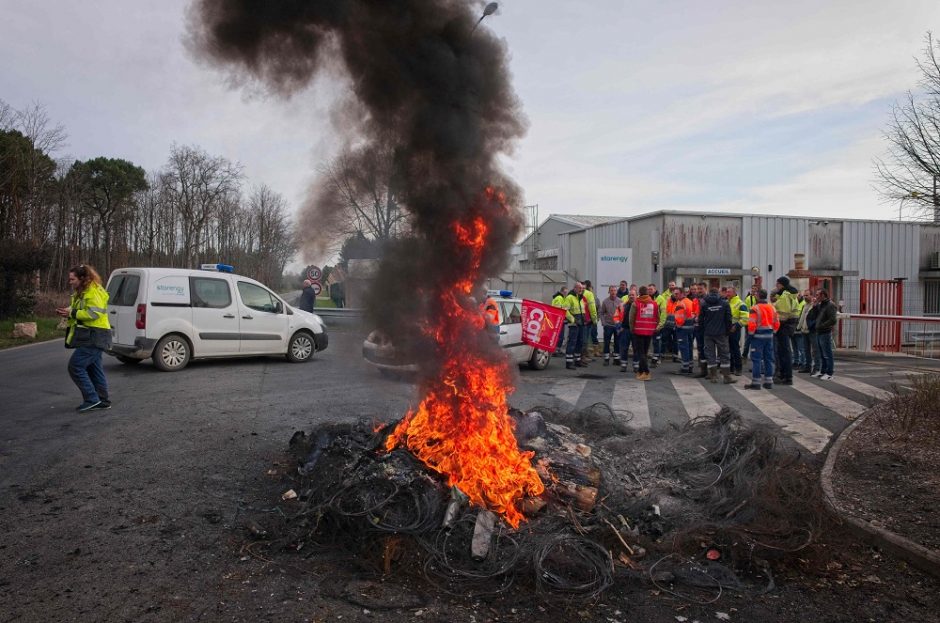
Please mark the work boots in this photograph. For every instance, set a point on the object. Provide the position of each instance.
(702, 370)
(713, 375)
(727, 379)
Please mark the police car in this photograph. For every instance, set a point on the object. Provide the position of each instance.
(379, 350)
(175, 315)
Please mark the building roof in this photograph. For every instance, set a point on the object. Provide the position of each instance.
(583, 220)
(572, 219)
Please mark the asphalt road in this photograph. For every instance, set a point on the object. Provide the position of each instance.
(120, 514)
(133, 513)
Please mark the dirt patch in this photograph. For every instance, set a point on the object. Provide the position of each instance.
(888, 472)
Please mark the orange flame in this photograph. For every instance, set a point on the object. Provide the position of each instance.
(462, 429)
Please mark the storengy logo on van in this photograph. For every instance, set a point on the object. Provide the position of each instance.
(171, 290)
(623, 259)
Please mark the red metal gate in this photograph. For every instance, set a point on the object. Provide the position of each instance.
(884, 298)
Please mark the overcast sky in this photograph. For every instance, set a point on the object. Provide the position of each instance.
(750, 106)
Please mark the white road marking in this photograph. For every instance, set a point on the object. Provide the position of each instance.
(848, 409)
(695, 398)
(568, 390)
(882, 374)
(864, 388)
(630, 395)
(804, 431)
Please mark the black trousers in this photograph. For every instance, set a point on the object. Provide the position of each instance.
(734, 347)
(784, 356)
(641, 347)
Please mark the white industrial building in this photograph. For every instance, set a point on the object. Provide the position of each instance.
(736, 248)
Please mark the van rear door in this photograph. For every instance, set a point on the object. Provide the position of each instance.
(123, 291)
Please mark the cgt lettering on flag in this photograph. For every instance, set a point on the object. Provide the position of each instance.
(541, 324)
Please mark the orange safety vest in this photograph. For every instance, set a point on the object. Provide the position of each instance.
(683, 311)
(763, 320)
(490, 311)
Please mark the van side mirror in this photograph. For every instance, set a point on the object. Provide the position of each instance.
(278, 307)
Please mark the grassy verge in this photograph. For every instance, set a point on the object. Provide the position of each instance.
(45, 331)
(324, 302)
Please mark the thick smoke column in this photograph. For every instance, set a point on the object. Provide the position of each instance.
(427, 85)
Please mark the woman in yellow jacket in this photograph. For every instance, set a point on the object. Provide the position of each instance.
(89, 334)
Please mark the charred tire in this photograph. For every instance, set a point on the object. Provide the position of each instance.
(172, 353)
(301, 347)
(540, 359)
(127, 360)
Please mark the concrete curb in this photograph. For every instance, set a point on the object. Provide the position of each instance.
(917, 555)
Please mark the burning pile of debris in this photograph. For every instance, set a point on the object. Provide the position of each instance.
(694, 511)
(473, 494)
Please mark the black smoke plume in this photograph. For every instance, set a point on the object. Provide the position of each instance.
(424, 81)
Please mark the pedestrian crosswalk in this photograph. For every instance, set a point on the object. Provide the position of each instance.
(808, 413)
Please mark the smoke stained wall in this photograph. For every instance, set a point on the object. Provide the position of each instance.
(428, 87)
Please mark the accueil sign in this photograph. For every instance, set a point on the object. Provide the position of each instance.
(613, 266)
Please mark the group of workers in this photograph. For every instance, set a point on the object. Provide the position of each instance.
(783, 331)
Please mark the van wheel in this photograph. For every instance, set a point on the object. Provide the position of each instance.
(127, 360)
(540, 359)
(301, 347)
(172, 353)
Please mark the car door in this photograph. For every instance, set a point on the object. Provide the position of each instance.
(264, 322)
(510, 329)
(215, 317)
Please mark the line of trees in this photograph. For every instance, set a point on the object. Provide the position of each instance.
(109, 212)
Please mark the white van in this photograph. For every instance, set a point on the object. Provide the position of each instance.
(175, 315)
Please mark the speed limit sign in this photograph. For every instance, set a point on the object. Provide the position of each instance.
(316, 287)
(314, 273)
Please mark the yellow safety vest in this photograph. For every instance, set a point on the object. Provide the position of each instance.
(88, 309)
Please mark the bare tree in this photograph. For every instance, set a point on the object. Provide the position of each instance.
(276, 237)
(360, 195)
(910, 172)
(197, 184)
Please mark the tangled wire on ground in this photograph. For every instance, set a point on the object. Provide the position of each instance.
(743, 491)
(714, 480)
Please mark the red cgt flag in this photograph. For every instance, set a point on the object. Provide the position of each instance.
(541, 324)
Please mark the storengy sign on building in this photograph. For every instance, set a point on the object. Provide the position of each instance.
(613, 266)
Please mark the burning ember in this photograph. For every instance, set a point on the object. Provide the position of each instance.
(462, 429)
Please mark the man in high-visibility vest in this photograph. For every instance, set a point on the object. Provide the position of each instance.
(644, 323)
(661, 342)
(750, 300)
(589, 338)
(685, 328)
(490, 311)
(796, 340)
(786, 306)
(558, 300)
(574, 313)
(739, 316)
(762, 324)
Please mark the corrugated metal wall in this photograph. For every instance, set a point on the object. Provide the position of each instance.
(882, 250)
(772, 241)
(606, 236)
(825, 245)
(701, 241)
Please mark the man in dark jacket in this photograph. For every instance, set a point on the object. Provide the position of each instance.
(825, 322)
(308, 298)
(716, 324)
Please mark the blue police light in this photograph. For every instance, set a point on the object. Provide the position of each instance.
(503, 293)
(222, 268)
